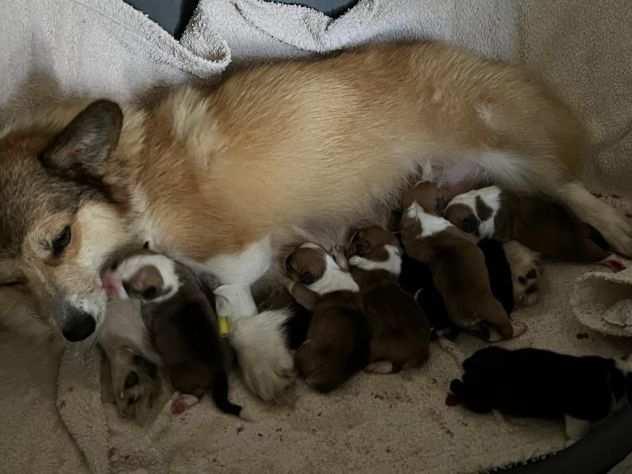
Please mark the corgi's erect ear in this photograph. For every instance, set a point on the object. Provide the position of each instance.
(87, 141)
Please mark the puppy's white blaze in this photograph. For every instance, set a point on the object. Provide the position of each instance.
(393, 264)
(164, 265)
(243, 268)
(430, 224)
(334, 279)
(234, 302)
(491, 197)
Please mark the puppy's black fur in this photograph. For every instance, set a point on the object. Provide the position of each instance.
(184, 331)
(416, 279)
(540, 383)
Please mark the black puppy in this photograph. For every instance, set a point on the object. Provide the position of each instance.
(543, 384)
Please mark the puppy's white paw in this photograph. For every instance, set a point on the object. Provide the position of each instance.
(380, 367)
(266, 364)
(356, 261)
(525, 273)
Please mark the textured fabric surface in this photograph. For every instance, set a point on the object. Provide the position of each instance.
(375, 423)
(399, 423)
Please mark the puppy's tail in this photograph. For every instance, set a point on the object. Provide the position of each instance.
(219, 394)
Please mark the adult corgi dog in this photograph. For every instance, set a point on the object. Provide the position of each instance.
(222, 175)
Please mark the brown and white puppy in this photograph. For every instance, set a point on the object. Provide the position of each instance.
(338, 338)
(400, 331)
(538, 223)
(181, 321)
(457, 265)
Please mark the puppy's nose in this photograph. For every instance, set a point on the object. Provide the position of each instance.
(78, 326)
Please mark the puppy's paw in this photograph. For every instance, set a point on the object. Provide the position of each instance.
(266, 364)
(615, 263)
(380, 367)
(525, 273)
(136, 385)
(182, 402)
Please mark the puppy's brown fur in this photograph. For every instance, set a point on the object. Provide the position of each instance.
(539, 224)
(337, 344)
(457, 264)
(400, 331)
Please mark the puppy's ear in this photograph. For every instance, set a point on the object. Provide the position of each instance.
(81, 148)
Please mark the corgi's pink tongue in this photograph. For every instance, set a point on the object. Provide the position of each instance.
(112, 286)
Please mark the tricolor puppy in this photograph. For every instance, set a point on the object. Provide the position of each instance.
(541, 224)
(543, 384)
(457, 265)
(400, 331)
(182, 324)
(338, 338)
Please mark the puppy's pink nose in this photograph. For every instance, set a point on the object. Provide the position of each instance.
(112, 286)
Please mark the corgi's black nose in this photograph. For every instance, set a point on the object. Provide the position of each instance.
(78, 326)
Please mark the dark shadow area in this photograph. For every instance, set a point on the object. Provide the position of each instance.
(606, 445)
(172, 15)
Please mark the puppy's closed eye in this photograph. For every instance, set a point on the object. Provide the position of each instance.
(307, 278)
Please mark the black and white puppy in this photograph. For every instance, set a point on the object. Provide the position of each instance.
(177, 310)
(543, 384)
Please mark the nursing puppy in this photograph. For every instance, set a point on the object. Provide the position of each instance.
(538, 223)
(457, 265)
(338, 338)
(543, 384)
(416, 279)
(181, 322)
(400, 332)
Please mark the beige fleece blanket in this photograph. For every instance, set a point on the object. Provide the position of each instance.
(105, 48)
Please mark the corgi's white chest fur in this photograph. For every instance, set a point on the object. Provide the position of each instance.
(334, 279)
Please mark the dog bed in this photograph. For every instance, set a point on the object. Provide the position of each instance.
(391, 423)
